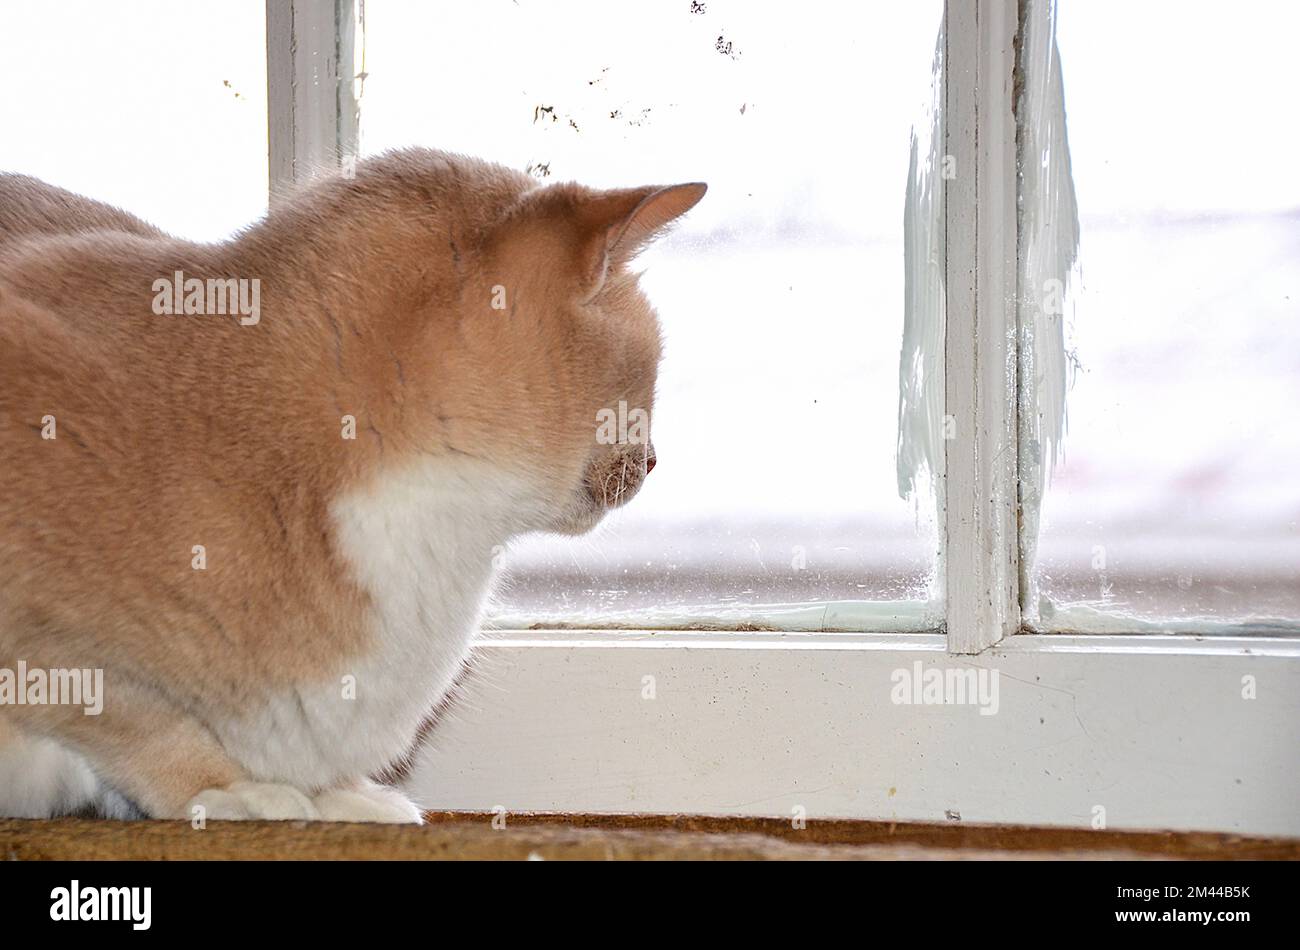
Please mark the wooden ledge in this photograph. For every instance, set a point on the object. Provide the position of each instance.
(470, 836)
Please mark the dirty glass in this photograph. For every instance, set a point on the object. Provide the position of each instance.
(776, 498)
(1173, 502)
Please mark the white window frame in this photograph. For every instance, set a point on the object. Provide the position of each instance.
(312, 76)
(1096, 731)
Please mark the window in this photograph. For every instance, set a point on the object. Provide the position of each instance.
(1016, 241)
(1171, 505)
(776, 501)
(1107, 729)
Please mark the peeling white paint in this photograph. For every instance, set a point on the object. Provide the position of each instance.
(1048, 268)
(921, 418)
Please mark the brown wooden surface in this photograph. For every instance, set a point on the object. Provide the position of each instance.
(462, 836)
(952, 834)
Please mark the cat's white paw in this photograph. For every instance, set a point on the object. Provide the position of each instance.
(367, 801)
(244, 801)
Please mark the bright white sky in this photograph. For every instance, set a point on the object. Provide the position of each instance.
(127, 102)
(1190, 107)
(1182, 106)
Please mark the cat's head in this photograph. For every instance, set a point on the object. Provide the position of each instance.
(559, 260)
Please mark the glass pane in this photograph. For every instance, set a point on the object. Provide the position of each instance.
(1174, 500)
(781, 294)
(155, 106)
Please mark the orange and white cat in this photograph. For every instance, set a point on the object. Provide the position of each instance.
(272, 527)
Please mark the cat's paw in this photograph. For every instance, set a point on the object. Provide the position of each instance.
(367, 801)
(244, 801)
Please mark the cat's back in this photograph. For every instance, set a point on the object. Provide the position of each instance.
(30, 207)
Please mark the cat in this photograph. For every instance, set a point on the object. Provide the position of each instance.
(275, 536)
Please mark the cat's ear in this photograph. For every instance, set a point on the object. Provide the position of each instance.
(582, 233)
(614, 226)
(655, 208)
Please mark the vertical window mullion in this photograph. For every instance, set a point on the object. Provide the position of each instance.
(980, 564)
(311, 108)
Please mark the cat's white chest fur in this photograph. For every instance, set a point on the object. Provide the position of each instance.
(421, 543)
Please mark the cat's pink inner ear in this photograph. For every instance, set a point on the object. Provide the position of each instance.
(622, 222)
(656, 211)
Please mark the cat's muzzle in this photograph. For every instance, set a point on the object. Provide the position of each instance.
(616, 475)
